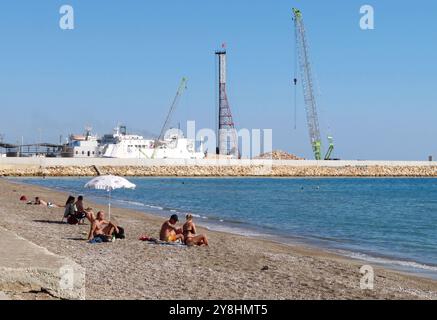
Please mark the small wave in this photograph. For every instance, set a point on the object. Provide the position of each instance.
(156, 207)
(134, 203)
(402, 263)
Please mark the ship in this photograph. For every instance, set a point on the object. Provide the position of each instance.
(122, 145)
(82, 146)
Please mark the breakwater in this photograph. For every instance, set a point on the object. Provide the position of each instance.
(38, 167)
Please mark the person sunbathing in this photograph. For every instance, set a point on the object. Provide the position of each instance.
(189, 231)
(101, 228)
(169, 232)
(39, 202)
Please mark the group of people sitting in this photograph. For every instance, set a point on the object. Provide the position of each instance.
(75, 211)
(102, 230)
(186, 234)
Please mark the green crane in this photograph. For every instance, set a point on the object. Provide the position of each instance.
(308, 89)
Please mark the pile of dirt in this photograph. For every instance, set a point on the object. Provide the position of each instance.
(279, 155)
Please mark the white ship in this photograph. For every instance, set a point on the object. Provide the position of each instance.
(82, 146)
(131, 146)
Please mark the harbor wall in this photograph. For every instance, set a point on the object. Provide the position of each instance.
(214, 167)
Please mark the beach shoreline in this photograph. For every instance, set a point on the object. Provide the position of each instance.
(214, 222)
(231, 268)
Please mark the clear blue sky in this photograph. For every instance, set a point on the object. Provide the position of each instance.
(124, 60)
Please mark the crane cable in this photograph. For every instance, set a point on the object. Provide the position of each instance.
(295, 80)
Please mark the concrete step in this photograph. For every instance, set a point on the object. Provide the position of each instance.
(3, 296)
(27, 267)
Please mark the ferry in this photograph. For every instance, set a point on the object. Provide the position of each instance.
(131, 146)
(122, 145)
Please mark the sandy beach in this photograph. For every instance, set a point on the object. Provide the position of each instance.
(230, 268)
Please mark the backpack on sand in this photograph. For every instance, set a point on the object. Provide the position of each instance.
(120, 234)
(72, 220)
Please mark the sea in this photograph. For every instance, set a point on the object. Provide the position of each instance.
(381, 221)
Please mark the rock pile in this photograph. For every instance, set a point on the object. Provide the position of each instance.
(278, 155)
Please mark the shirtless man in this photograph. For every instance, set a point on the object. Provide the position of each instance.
(169, 232)
(101, 228)
(82, 212)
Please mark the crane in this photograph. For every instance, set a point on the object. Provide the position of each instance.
(165, 127)
(308, 89)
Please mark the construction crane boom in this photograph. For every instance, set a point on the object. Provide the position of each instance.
(165, 127)
(308, 87)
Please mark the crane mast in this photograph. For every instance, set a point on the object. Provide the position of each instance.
(308, 87)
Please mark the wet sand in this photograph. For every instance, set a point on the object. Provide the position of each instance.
(230, 268)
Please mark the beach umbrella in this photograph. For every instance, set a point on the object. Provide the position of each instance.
(109, 183)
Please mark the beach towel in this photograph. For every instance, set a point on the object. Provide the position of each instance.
(160, 242)
(96, 240)
(99, 239)
(147, 238)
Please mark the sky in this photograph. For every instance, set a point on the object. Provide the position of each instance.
(122, 63)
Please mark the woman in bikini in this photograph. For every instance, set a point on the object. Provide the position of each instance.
(189, 231)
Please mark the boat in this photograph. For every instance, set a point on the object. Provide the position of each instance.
(82, 146)
(122, 145)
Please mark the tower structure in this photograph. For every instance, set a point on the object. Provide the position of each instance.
(227, 141)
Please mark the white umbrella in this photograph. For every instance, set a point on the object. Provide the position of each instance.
(109, 183)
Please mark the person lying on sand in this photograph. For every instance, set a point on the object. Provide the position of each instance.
(40, 202)
(189, 231)
(101, 228)
(169, 232)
